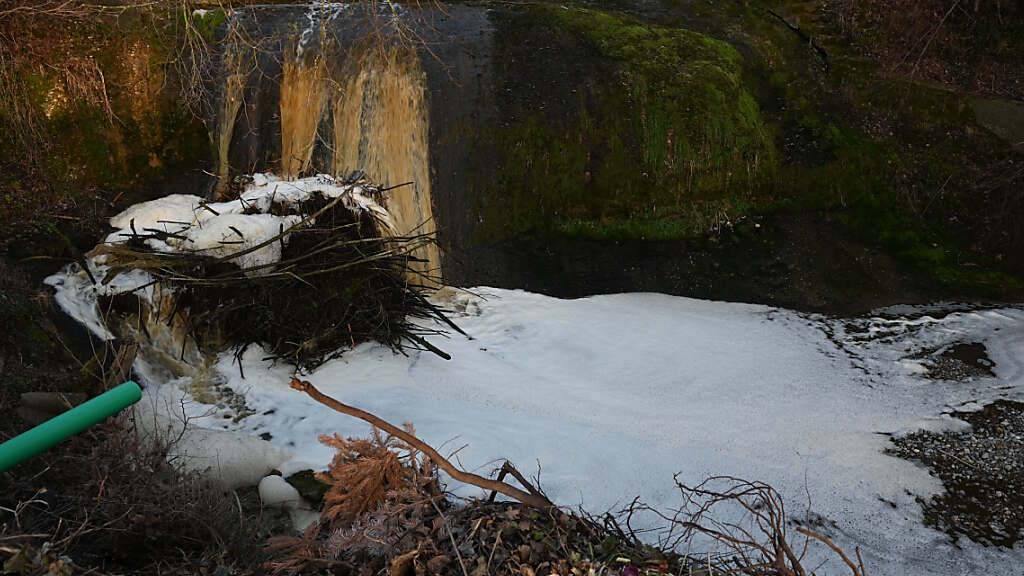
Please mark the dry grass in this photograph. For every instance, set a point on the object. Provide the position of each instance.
(107, 504)
(965, 44)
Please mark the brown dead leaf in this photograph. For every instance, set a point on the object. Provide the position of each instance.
(437, 564)
(404, 565)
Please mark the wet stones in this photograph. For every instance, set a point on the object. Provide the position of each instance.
(959, 362)
(982, 471)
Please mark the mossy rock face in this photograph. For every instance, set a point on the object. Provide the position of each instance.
(592, 129)
(605, 119)
(902, 167)
(107, 122)
(105, 99)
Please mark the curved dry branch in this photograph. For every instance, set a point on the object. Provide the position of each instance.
(857, 568)
(533, 500)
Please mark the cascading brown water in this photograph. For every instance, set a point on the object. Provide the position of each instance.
(380, 127)
(308, 107)
(230, 104)
(160, 329)
(303, 97)
(337, 111)
(301, 92)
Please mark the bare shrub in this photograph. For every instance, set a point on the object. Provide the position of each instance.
(749, 521)
(106, 501)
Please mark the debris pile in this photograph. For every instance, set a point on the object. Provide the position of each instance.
(307, 268)
(385, 510)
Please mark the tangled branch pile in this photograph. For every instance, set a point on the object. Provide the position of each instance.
(386, 511)
(341, 278)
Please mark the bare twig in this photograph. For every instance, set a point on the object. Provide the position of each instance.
(857, 568)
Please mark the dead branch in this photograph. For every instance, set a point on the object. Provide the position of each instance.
(857, 568)
(755, 530)
(506, 469)
(533, 500)
(803, 35)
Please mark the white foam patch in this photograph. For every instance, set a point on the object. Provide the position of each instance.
(77, 294)
(247, 235)
(934, 424)
(225, 228)
(612, 395)
(229, 457)
(276, 492)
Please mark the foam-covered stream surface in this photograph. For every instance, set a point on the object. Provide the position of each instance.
(609, 396)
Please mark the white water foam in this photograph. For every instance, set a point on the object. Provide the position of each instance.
(612, 395)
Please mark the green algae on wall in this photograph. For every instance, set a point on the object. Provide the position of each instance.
(207, 22)
(896, 161)
(626, 129)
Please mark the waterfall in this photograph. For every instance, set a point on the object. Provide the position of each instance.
(165, 348)
(296, 104)
(303, 96)
(230, 103)
(363, 108)
(380, 127)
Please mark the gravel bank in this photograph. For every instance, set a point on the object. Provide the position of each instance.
(982, 470)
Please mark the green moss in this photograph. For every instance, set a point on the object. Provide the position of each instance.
(208, 22)
(695, 220)
(698, 123)
(647, 122)
(680, 132)
(632, 229)
(928, 249)
(904, 172)
(127, 134)
(874, 150)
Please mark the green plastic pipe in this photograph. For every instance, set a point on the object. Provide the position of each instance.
(61, 427)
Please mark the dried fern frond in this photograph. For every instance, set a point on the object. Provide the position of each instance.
(366, 472)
